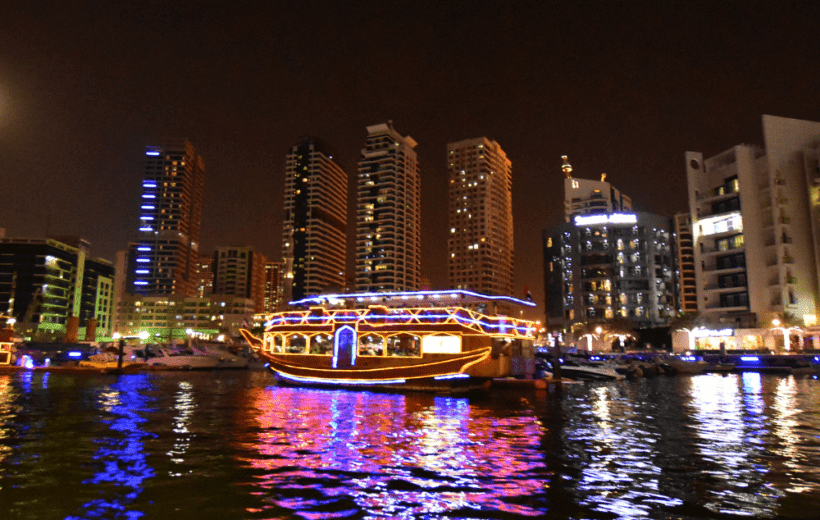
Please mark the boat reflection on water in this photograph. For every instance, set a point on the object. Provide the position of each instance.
(388, 454)
(228, 445)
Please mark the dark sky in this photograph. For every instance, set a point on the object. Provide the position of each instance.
(621, 87)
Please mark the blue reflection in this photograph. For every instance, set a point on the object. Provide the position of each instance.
(122, 458)
(330, 454)
(25, 380)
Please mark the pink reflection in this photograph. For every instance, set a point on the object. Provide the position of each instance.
(389, 454)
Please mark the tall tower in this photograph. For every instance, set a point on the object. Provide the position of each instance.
(388, 213)
(314, 242)
(240, 271)
(163, 260)
(480, 217)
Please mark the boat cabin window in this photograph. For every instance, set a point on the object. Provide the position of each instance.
(441, 344)
(371, 345)
(274, 343)
(297, 344)
(404, 345)
(321, 344)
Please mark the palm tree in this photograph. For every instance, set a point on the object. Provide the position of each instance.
(687, 321)
(620, 328)
(788, 322)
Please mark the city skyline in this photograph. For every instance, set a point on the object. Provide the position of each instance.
(621, 90)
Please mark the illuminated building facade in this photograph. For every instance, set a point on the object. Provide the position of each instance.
(756, 216)
(43, 282)
(163, 259)
(480, 243)
(314, 242)
(388, 213)
(240, 271)
(274, 294)
(177, 317)
(604, 266)
(204, 276)
(589, 197)
(687, 300)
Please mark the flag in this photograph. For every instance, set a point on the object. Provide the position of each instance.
(527, 293)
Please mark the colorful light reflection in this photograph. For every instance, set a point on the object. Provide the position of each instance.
(327, 452)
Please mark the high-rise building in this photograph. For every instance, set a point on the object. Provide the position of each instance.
(606, 261)
(388, 213)
(240, 271)
(163, 259)
(204, 276)
(589, 197)
(44, 282)
(755, 219)
(274, 295)
(686, 279)
(314, 244)
(603, 266)
(480, 243)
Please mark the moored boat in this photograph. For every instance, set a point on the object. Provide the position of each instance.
(426, 341)
(171, 358)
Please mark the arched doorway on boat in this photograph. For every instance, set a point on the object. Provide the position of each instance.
(344, 347)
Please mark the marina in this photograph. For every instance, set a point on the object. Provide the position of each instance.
(232, 444)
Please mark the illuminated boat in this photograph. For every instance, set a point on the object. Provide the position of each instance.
(427, 341)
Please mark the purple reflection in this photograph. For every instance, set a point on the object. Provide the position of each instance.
(322, 454)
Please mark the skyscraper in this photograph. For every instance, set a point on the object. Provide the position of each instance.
(163, 259)
(240, 271)
(273, 286)
(480, 243)
(607, 261)
(388, 213)
(314, 242)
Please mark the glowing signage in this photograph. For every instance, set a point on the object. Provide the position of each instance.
(708, 333)
(151, 153)
(612, 218)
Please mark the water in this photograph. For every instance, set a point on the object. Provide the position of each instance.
(233, 445)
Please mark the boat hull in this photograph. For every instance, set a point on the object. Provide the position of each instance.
(456, 373)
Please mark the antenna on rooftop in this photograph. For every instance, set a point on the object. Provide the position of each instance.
(566, 167)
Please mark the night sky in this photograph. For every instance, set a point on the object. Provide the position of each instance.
(621, 87)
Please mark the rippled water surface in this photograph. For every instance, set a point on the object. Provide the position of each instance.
(234, 445)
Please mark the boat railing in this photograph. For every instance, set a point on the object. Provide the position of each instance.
(382, 317)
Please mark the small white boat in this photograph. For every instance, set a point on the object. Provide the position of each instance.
(590, 373)
(172, 358)
(108, 360)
